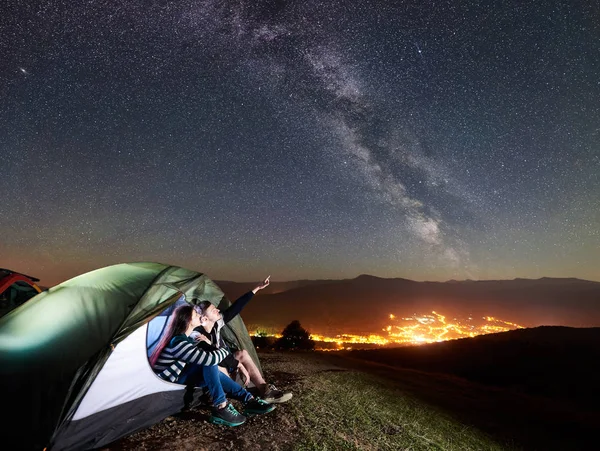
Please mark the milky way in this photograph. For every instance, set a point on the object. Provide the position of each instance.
(301, 139)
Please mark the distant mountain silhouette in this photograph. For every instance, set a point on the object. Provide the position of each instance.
(361, 305)
(234, 290)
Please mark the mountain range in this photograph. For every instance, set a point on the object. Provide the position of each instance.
(363, 305)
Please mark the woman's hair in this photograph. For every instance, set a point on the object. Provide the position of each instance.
(201, 307)
(179, 322)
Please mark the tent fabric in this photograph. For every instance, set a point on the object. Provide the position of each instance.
(106, 426)
(69, 342)
(88, 310)
(125, 376)
(128, 389)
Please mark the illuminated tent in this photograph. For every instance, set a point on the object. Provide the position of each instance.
(74, 359)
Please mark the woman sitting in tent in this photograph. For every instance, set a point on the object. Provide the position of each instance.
(177, 359)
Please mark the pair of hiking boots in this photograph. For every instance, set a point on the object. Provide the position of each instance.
(229, 416)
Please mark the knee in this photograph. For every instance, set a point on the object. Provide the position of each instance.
(210, 371)
(242, 355)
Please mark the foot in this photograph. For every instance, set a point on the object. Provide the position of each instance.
(274, 396)
(227, 416)
(257, 406)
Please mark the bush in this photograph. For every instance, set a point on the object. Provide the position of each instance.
(262, 341)
(294, 336)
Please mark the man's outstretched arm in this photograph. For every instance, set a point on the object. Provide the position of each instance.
(235, 308)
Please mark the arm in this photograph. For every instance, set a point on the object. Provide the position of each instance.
(229, 362)
(234, 309)
(241, 302)
(188, 352)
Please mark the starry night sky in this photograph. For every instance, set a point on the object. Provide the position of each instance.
(302, 139)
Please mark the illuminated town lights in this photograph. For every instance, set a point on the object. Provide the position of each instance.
(418, 329)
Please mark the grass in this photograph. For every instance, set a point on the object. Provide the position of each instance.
(342, 403)
(347, 410)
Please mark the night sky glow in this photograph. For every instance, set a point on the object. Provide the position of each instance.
(302, 139)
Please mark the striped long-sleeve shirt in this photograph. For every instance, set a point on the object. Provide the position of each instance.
(180, 351)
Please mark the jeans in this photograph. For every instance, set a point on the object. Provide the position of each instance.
(217, 383)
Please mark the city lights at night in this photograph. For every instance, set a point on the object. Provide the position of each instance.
(415, 330)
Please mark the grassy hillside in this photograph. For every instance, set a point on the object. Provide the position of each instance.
(333, 408)
(555, 362)
(342, 403)
(513, 420)
(341, 409)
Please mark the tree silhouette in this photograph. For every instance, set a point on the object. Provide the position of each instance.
(294, 336)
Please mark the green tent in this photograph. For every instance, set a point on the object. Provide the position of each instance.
(74, 359)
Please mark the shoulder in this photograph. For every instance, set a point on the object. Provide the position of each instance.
(179, 338)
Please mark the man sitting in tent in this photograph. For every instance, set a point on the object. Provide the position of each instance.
(177, 358)
(212, 321)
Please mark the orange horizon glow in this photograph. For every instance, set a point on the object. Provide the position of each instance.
(418, 329)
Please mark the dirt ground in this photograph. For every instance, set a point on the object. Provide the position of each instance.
(276, 430)
(529, 422)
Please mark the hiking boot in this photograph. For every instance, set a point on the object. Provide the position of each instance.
(227, 416)
(275, 396)
(257, 406)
